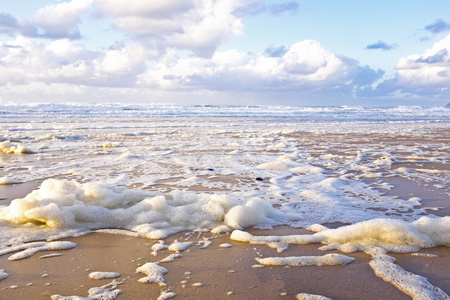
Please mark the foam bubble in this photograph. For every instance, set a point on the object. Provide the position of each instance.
(304, 296)
(108, 291)
(423, 233)
(170, 258)
(414, 285)
(155, 273)
(177, 246)
(103, 275)
(166, 295)
(243, 236)
(276, 165)
(10, 148)
(69, 204)
(5, 180)
(32, 248)
(298, 261)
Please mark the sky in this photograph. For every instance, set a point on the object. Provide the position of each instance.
(285, 52)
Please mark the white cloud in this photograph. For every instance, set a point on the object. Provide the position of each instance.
(144, 8)
(61, 20)
(196, 25)
(428, 70)
(305, 66)
(24, 60)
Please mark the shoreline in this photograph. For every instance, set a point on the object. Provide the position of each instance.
(229, 272)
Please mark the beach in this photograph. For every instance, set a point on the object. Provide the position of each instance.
(201, 192)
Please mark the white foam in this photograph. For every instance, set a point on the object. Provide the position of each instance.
(243, 236)
(32, 248)
(170, 258)
(298, 261)
(197, 284)
(69, 204)
(205, 243)
(103, 275)
(414, 285)
(177, 246)
(106, 292)
(276, 165)
(155, 273)
(158, 247)
(433, 171)
(424, 233)
(166, 295)
(50, 255)
(305, 296)
(5, 180)
(309, 183)
(10, 148)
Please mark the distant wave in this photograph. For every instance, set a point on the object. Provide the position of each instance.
(297, 113)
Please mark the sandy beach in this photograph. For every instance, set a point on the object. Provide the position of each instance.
(224, 272)
(226, 268)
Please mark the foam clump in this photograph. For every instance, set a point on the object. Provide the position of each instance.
(301, 239)
(304, 296)
(299, 261)
(170, 258)
(33, 248)
(64, 204)
(177, 246)
(107, 292)
(155, 273)
(276, 165)
(103, 275)
(317, 227)
(384, 161)
(424, 233)
(7, 147)
(307, 169)
(280, 243)
(255, 211)
(166, 295)
(414, 285)
(158, 247)
(5, 180)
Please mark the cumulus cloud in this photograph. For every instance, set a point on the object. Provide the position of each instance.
(304, 66)
(196, 25)
(61, 20)
(151, 60)
(430, 69)
(24, 60)
(422, 74)
(381, 45)
(10, 25)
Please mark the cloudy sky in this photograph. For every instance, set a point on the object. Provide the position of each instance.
(287, 52)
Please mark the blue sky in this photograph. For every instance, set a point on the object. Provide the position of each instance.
(286, 52)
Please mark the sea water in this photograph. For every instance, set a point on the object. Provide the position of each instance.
(155, 170)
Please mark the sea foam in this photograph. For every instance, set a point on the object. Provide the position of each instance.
(64, 204)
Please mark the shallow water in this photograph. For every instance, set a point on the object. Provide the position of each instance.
(157, 170)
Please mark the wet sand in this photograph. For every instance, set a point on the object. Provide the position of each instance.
(224, 272)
